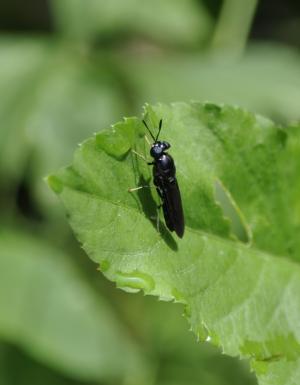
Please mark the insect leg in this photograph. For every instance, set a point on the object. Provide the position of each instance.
(139, 188)
(140, 155)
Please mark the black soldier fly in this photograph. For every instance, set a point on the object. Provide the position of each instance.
(164, 178)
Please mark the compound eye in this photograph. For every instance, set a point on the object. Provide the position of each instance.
(166, 145)
(156, 151)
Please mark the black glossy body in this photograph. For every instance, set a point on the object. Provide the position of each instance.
(164, 178)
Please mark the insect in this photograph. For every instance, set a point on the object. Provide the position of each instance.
(164, 178)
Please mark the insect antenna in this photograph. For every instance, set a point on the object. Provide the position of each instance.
(159, 129)
(152, 136)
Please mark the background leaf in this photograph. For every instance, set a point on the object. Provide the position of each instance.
(16, 367)
(76, 332)
(20, 68)
(265, 80)
(173, 22)
(54, 103)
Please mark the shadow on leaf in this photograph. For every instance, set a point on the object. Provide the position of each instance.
(149, 207)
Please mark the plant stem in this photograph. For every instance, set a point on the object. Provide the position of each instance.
(233, 26)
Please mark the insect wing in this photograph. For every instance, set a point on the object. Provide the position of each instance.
(172, 207)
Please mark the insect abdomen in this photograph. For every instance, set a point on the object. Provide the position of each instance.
(169, 193)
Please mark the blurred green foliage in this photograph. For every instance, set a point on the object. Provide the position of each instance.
(61, 322)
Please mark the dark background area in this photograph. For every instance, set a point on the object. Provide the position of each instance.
(274, 20)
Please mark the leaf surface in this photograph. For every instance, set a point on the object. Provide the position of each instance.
(242, 296)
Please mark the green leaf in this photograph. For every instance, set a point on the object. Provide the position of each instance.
(171, 21)
(48, 309)
(182, 360)
(290, 177)
(241, 296)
